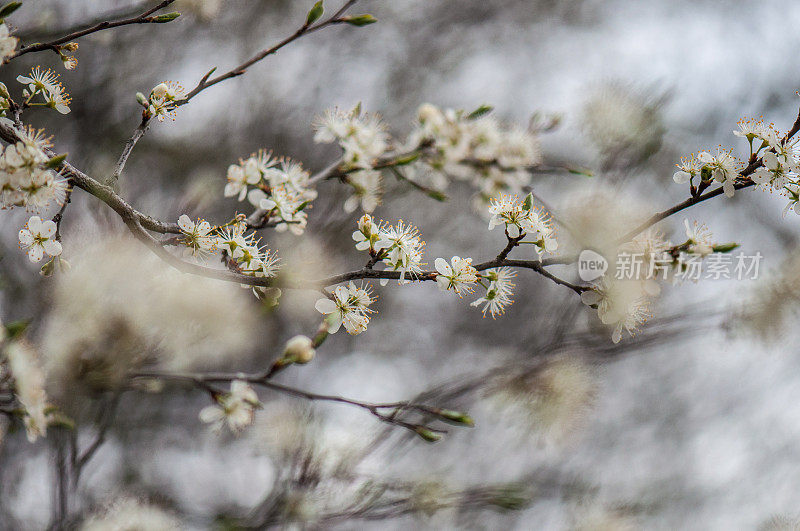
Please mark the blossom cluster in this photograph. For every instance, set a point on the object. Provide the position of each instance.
(520, 219)
(46, 85)
(624, 302)
(280, 188)
(244, 252)
(461, 277)
(475, 147)
(163, 100)
(443, 144)
(363, 138)
(26, 180)
(27, 173)
(779, 169)
(722, 167)
(399, 247)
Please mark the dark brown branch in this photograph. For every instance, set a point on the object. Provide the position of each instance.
(143, 18)
(385, 412)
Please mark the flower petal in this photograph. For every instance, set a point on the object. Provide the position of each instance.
(325, 306)
(52, 247)
(48, 228)
(185, 224)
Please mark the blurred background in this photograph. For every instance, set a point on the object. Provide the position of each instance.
(692, 424)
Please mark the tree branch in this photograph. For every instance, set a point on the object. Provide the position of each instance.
(205, 82)
(144, 18)
(385, 412)
(138, 133)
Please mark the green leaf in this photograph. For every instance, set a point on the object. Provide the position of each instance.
(408, 159)
(16, 328)
(167, 17)
(360, 20)
(436, 194)
(528, 202)
(725, 247)
(480, 111)
(56, 161)
(315, 13)
(581, 171)
(9, 8)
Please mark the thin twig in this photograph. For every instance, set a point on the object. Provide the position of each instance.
(143, 18)
(106, 419)
(140, 130)
(378, 410)
(205, 82)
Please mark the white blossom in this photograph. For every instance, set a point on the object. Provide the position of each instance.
(39, 238)
(624, 305)
(498, 292)
(792, 191)
(458, 276)
(367, 191)
(284, 203)
(724, 168)
(198, 239)
(349, 306)
(238, 179)
(45, 83)
(369, 236)
(403, 250)
(751, 129)
(163, 99)
(778, 169)
(519, 219)
(699, 238)
(687, 169)
(235, 409)
(8, 44)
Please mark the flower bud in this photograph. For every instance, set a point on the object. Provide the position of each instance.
(315, 13)
(167, 17)
(456, 417)
(427, 112)
(365, 225)
(69, 62)
(299, 349)
(70, 47)
(426, 434)
(360, 20)
(160, 90)
(141, 99)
